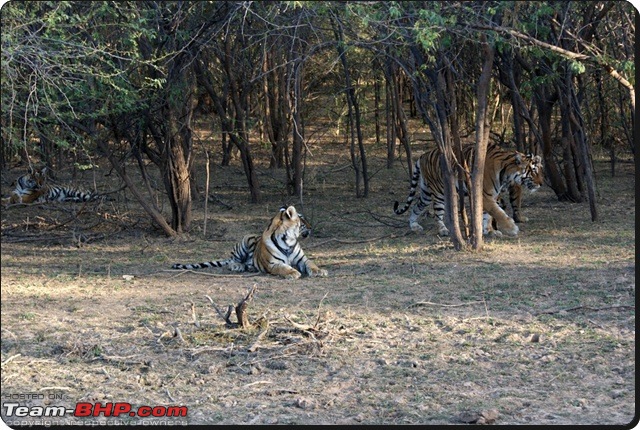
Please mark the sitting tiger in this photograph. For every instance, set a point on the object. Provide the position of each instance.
(503, 168)
(277, 251)
(33, 188)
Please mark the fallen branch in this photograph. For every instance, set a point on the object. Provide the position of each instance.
(8, 360)
(443, 304)
(116, 359)
(240, 308)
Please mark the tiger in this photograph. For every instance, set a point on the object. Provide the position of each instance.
(276, 251)
(28, 188)
(32, 188)
(513, 195)
(503, 168)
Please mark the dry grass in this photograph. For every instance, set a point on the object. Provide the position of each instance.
(404, 330)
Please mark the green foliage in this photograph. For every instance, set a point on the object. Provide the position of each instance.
(577, 67)
(70, 65)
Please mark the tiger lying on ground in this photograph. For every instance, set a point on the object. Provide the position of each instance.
(32, 188)
(277, 251)
(28, 188)
(503, 168)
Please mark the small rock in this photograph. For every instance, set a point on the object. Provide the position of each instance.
(617, 393)
(535, 337)
(483, 417)
(304, 403)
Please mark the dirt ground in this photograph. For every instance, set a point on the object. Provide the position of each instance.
(538, 329)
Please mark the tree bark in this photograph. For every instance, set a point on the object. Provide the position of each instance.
(482, 138)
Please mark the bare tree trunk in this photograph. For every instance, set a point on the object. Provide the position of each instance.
(359, 162)
(399, 119)
(238, 135)
(390, 109)
(119, 168)
(461, 165)
(447, 161)
(577, 126)
(482, 138)
(545, 102)
(298, 129)
(376, 103)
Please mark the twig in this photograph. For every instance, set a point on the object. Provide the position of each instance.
(123, 360)
(207, 349)
(194, 316)
(444, 305)
(165, 334)
(587, 308)
(261, 336)
(10, 359)
(177, 333)
(169, 395)
(256, 383)
(301, 327)
(318, 317)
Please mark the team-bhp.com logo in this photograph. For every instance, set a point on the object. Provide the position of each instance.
(84, 410)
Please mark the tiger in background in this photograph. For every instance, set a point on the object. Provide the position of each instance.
(512, 198)
(28, 188)
(503, 168)
(276, 251)
(33, 188)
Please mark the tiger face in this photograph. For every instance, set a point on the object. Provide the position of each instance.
(533, 176)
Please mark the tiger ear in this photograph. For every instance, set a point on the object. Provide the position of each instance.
(518, 158)
(291, 212)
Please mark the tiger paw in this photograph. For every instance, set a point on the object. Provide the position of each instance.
(443, 231)
(321, 273)
(415, 226)
(292, 275)
(511, 229)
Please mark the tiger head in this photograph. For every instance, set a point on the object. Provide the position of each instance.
(304, 229)
(31, 181)
(285, 228)
(533, 176)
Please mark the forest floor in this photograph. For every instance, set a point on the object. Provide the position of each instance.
(538, 329)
